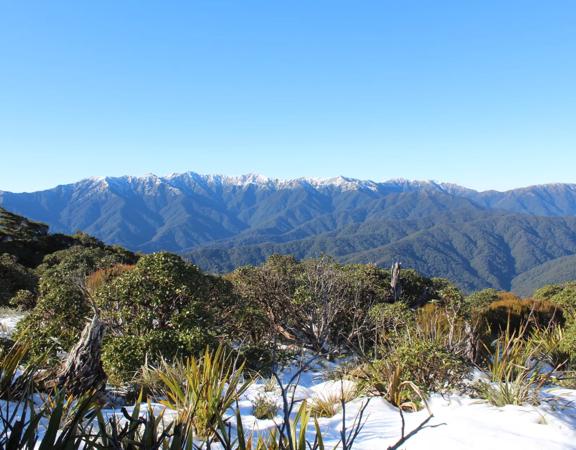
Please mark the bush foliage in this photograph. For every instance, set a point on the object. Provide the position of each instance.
(159, 309)
(162, 307)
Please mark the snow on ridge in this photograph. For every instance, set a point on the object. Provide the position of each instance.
(341, 183)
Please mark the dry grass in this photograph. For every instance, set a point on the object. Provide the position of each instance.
(328, 404)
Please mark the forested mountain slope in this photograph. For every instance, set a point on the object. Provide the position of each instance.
(479, 239)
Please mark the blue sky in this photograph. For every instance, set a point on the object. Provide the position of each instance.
(477, 93)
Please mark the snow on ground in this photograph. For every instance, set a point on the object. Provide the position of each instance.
(459, 422)
(8, 322)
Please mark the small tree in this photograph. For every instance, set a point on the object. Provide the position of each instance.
(320, 298)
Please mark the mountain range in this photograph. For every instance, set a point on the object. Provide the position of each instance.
(518, 239)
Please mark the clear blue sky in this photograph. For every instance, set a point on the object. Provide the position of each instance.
(480, 93)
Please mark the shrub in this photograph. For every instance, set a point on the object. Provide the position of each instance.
(58, 318)
(390, 318)
(386, 378)
(162, 306)
(441, 371)
(566, 300)
(61, 309)
(550, 290)
(260, 358)
(320, 303)
(100, 277)
(568, 343)
(123, 356)
(411, 369)
(513, 313)
(24, 300)
(479, 301)
(416, 290)
(13, 278)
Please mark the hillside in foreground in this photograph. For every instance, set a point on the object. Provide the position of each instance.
(109, 349)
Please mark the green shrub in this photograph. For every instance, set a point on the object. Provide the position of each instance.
(551, 290)
(260, 358)
(479, 301)
(163, 307)
(513, 312)
(390, 318)
(568, 343)
(13, 278)
(123, 356)
(429, 365)
(410, 370)
(24, 300)
(566, 300)
(58, 318)
(62, 305)
(319, 303)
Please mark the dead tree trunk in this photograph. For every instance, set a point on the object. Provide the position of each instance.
(395, 287)
(471, 347)
(82, 370)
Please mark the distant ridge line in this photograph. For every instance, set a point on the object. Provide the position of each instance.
(340, 181)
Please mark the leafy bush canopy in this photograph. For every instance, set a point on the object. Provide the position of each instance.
(163, 306)
(161, 309)
(319, 302)
(14, 277)
(62, 305)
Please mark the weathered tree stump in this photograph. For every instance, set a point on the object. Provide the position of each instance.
(82, 370)
(472, 343)
(395, 288)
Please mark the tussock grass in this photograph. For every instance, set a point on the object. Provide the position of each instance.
(264, 407)
(328, 404)
(514, 370)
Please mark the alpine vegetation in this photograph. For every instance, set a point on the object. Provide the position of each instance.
(104, 348)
